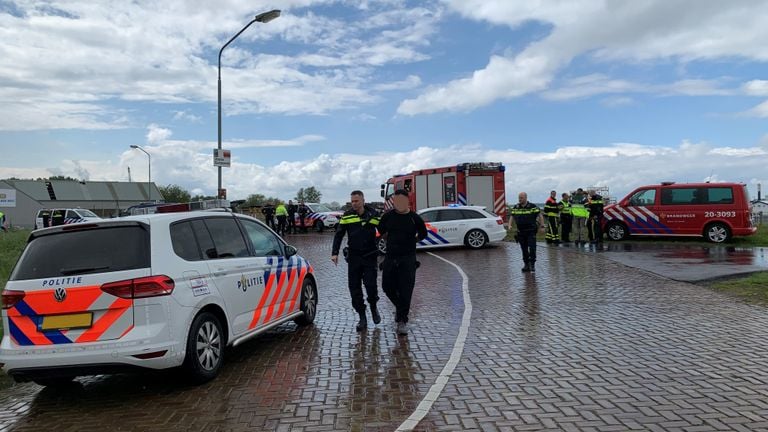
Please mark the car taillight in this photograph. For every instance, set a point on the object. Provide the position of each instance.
(10, 298)
(151, 286)
(499, 221)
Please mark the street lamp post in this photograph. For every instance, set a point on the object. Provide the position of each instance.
(149, 170)
(262, 18)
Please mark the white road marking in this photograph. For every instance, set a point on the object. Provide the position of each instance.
(458, 348)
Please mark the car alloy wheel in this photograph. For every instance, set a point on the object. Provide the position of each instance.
(476, 239)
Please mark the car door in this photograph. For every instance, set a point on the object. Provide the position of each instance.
(238, 276)
(452, 225)
(281, 275)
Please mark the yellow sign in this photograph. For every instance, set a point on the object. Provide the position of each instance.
(71, 321)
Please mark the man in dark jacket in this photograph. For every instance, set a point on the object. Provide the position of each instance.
(269, 215)
(292, 209)
(595, 223)
(402, 229)
(303, 212)
(359, 224)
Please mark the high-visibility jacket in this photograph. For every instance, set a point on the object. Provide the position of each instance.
(565, 208)
(551, 208)
(360, 230)
(280, 210)
(595, 205)
(525, 216)
(579, 211)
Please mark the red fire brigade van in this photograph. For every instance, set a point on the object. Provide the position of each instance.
(716, 211)
(478, 183)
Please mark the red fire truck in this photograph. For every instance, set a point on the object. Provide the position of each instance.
(475, 183)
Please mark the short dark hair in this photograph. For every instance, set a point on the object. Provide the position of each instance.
(357, 192)
(402, 192)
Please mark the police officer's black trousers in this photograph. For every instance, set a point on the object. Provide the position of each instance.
(527, 241)
(595, 229)
(280, 225)
(566, 221)
(301, 224)
(270, 220)
(361, 270)
(291, 223)
(398, 278)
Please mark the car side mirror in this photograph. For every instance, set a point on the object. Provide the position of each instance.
(290, 251)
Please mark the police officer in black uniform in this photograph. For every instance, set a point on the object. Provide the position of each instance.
(402, 229)
(528, 220)
(292, 209)
(303, 212)
(269, 215)
(595, 223)
(359, 223)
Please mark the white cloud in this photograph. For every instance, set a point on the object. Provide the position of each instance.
(66, 67)
(760, 110)
(620, 166)
(601, 31)
(756, 88)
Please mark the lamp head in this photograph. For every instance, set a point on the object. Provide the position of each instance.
(267, 16)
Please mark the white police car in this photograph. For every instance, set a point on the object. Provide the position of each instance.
(151, 291)
(320, 217)
(470, 226)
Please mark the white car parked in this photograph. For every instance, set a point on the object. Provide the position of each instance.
(470, 226)
(320, 217)
(150, 291)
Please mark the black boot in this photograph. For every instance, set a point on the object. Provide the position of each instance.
(526, 268)
(533, 267)
(363, 323)
(375, 314)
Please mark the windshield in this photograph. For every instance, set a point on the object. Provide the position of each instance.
(319, 208)
(87, 213)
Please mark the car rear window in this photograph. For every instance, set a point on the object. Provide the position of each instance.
(93, 250)
(720, 195)
(472, 214)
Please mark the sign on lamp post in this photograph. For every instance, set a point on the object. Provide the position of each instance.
(221, 158)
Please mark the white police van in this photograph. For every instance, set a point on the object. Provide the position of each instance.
(150, 291)
(63, 216)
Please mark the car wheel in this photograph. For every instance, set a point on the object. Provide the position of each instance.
(381, 244)
(616, 231)
(54, 382)
(475, 239)
(717, 233)
(308, 303)
(319, 226)
(205, 348)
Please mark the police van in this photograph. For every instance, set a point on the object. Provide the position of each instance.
(63, 216)
(715, 211)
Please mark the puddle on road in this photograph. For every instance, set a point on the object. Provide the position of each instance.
(699, 254)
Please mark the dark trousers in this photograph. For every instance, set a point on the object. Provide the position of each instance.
(281, 225)
(292, 223)
(270, 220)
(595, 229)
(398, 278)
(566, 221)
(527, 241)
(361, 270)
(553, 229)
(301, 223)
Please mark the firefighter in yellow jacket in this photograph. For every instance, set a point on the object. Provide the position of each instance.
(552, 214)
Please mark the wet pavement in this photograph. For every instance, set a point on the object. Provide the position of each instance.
(584, 344)
(687, 263)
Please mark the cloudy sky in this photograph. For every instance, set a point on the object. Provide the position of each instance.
(341, 94)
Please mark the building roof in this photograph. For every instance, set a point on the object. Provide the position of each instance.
(70, 190)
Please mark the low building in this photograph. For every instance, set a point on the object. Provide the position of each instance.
(106, 199)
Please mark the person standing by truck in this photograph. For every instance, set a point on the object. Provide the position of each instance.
(595, 223)
(552, 212)
(580, 215)
(566, 218)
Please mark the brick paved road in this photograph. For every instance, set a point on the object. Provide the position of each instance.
(585, 345)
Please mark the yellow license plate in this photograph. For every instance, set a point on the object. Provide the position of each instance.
(71, 321)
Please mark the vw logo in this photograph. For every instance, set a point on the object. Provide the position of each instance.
(60, 294)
